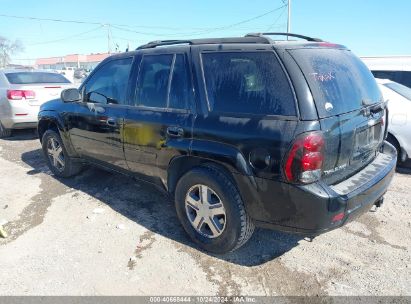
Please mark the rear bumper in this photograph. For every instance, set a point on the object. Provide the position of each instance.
(311, 209)
(21, 117)
(20, 122)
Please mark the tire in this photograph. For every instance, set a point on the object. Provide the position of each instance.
(36, 132)
(393, 141)
(4, 132)
(235, 226)
(57, 158)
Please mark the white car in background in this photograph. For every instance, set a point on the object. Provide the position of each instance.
(21, 94)
(399, 116)
(395, 68)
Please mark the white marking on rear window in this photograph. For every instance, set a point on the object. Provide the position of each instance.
(323, 77)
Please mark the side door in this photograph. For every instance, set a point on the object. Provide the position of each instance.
(96, 125)
(158, 125)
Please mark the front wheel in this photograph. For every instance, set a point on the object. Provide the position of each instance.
(57, 158)
(211, 210)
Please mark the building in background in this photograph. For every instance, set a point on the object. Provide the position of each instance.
(88, 62)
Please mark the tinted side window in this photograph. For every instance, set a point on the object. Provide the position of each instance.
(405, 78)
(152, 84)
(180, 91)
(109, 83)
(247, 82)
(384, 74)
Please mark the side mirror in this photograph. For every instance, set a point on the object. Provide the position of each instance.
(100, 98)
(70, 95)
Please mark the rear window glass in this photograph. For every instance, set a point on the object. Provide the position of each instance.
(400, 89)
(247, 82)
(340, 81)
(35, 77)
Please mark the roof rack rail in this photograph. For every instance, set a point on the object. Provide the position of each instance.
(156, 43)
(248, 39)
(283, 34)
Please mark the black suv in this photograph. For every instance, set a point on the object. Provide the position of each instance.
(246, 131)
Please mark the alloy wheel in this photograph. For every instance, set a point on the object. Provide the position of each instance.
(205, 211)
(55, 153)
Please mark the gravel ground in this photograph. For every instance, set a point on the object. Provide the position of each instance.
(105, 234)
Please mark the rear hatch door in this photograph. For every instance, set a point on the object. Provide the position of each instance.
(349, 105)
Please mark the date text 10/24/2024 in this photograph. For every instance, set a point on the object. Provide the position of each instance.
(203, 299)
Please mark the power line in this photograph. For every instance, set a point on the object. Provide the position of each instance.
(122, 28)
(262, 28)
(65, 38)
(94, 23)
(215, 28)
(276, 20)
(49, 19)
(248, 20)
(126, 28)
(90, 38)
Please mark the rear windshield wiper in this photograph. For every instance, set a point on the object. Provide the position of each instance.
(373, 108)
(377, 108)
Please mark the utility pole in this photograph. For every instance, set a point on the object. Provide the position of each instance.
(289, 18)
(108, 37)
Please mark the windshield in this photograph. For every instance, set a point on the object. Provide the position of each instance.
(340, 82)
(400, 89)
(35, 77)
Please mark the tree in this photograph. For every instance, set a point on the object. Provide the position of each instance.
(8, 48)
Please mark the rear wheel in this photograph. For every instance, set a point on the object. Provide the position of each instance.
(4, 132)
(211, 210)
(58, 160)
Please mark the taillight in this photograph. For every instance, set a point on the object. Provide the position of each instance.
(29, 94)
(14, 94)
(305, 159)
(20, 94)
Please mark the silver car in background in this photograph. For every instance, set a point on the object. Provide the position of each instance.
(21, 94)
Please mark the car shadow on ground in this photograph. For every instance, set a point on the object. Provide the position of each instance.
(152, 208)
(22, 135)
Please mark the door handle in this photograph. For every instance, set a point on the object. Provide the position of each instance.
(175, 131)
(111, 122)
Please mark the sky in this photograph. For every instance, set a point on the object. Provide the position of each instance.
(367, 27)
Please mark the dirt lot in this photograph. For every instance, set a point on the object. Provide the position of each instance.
(106, 234)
